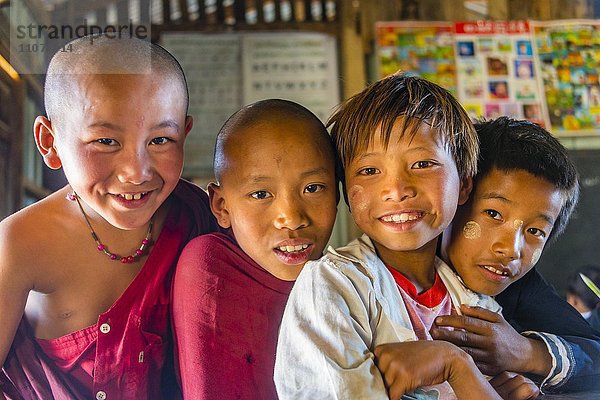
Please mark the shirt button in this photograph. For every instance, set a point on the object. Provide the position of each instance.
(101, 395)
(104, 328)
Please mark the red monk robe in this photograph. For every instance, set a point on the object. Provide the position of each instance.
(128, 353)
(226, 316)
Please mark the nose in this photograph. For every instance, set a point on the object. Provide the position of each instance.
(508, 244)
(397, 187)
(290, 213)
(135, 166)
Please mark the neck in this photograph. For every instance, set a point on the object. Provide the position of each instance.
(418, 266)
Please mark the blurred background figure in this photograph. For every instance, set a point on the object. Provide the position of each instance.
(582, 297)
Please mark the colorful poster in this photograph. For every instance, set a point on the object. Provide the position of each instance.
(568, 55)
(496, 70)
(423, 48)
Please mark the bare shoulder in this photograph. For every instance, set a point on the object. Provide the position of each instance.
(32, 234)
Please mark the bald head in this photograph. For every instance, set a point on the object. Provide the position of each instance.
(104, 56)
(238, 128)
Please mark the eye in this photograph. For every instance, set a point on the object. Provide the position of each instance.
(537, 232)
(423, 164)
(107, 141)
(368, 171)
(493, 214)
(260, 194)
(314, 188)
(160, 140)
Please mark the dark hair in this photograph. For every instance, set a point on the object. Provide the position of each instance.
(508, 144)
(576, 285)
(356, 121)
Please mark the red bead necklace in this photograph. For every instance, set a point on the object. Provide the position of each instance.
(146, 243)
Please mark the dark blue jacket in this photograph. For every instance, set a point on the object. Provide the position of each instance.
(531, 304)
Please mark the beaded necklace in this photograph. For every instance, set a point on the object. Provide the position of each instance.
(101, 247)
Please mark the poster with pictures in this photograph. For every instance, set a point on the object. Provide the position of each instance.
(569, 65)
(423, 48)
(496, 70)
(227, 71)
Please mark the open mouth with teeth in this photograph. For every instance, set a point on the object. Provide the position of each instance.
(292, 249)
(495, 271)
(400, 218)
(130, 197)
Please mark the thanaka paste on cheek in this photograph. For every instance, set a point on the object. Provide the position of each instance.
(518, 224)
(472, 230)
(536, 256)
(355, 196)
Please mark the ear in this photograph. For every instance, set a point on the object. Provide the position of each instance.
(44, 139)
(218, 206)
(189, 123)
(466, 186)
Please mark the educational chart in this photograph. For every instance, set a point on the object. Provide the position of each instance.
(423, 48)
(496, 70)
(227, 71)
(569, 64)
(301, 67)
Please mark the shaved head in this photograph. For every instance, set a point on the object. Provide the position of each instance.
(237, 130)
(104, 56)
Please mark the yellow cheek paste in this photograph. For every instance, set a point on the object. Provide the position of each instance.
(472, 230)
(518, 224)
(536, 256)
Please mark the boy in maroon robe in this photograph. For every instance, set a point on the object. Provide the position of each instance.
(85, 274)
(277, 193)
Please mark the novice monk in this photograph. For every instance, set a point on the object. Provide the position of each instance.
(409, 151)
(523, 196)
(277, 192)
(85, 274)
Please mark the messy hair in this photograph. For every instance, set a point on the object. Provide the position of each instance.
(507, 145)
(418, 101)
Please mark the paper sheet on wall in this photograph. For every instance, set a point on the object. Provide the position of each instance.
(422, 48)
(496, 72)
(569, 64)
(227, 71)
(211, 63)
(301, 67)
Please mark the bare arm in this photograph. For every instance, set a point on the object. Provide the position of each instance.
(14, 286)
(409, 365)
(493, 343)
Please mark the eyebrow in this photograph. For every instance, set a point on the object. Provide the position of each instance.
(304, 175)
(498, 196)
(169, 123)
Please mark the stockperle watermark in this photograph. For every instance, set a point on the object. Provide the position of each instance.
(33, 43)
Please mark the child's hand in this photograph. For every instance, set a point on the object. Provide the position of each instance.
(513, 386)
(492, 342)
(409, 365)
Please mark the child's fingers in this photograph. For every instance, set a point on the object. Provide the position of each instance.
(480, 313)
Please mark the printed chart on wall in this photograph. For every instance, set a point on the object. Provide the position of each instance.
(423, 48)
(301, 67)
(227, 71)
(569, 64)
(496, 70)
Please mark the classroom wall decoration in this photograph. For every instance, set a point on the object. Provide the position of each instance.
(569, 63)
(546, 72)
(228, 71)
(426, 48)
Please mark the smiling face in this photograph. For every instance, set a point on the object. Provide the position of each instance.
(499, 234)
(278, 194)
(121, 148)
(404, 196)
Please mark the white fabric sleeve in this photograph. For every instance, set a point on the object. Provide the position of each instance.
(561, 362)
(325, 337)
